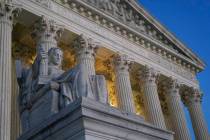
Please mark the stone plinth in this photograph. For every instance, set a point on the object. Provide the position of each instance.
(86, 119)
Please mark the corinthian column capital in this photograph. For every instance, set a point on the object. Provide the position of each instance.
(46, 32)
(8, 10)
(45, 27)
(148, 74)
(122, 62)
(85, 46)
(192, 95)
(85, 49)
(173, 86)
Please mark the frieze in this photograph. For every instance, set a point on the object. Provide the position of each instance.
(171, 66)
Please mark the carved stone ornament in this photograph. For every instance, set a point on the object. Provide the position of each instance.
(8, 10)
(173, 86)
(148, 74)
(192, 96)
(122, 63)
(122, 11)
(46, 28)
(85, 46)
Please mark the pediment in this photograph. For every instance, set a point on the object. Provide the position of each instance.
(169, 39)
(131, 18)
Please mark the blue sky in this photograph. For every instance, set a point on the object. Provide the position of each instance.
(189, 20)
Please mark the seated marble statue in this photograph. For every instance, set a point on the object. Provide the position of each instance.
(71, 84)
(39, 101)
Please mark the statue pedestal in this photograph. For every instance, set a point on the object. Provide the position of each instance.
(86, 119)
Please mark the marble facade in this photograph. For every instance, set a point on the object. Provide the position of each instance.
(121, 41)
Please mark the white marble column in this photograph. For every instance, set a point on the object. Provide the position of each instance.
(152, 105)
(46, 32)
(122, 82)
(7, 10)
(168, 122)
(176, 111)
(85, 50)
(192, 99)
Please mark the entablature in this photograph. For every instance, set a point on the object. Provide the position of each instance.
(143, 51)
(132, 22)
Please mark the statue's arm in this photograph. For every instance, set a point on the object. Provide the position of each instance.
(42, 91)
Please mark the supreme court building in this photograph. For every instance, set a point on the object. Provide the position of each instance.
(150, 75)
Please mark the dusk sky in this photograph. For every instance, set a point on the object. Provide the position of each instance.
(189, 20)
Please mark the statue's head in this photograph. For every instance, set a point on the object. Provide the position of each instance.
(55, 56)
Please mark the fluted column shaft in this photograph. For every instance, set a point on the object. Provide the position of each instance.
(123, 85)
(85, 50)
(15, 115)
(176, 112)
(6, 10)
(193, 102)
(152, 105)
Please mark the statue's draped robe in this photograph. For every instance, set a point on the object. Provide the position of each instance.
(73, 84)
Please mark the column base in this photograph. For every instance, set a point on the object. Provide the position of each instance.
(86, 119)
